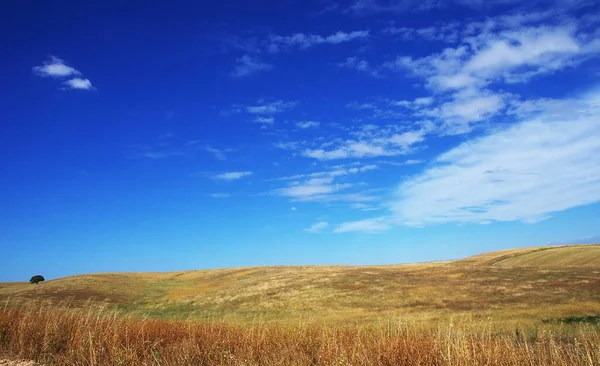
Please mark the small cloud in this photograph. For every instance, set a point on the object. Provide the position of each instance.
(79, 83)
(247, 65)
(396, 144)
(229, 176)
(359, 65)
(217, 153)
(55, 68)
(307, 124)
(159, 151)
(287, 145)
(277, 106)
(304, 41)
(369, 226)
(264, 120)
(219, 195)
(413, 162)
(293, 209)
(363, 207)
(317, 228)
(311, 189)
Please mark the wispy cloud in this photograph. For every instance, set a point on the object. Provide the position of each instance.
(395, 144)
(416, 103)
(364, 207)
(314, 188)
(263, 107)
(324, 186)
(317, 227)
(156, 151)
(526, 172)
(218, 153)
(335, 171)
(264, 120)
(511, 56)
(369, 226)
(448, 32)
(307, 124)
(262, 111)
(229, 176)
(303, 41)
(359, 65)
(367, 7)
(248, 64)
(219, 195)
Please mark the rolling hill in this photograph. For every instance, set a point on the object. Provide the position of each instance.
(509, 286)
(587, 255)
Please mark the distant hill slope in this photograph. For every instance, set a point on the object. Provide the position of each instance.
(587, 255)
(565, 281)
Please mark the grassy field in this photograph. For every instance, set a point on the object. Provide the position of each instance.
(95, 335)
(508, 288)
(535, 306)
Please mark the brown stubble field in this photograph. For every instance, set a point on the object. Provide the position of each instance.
(534, 306)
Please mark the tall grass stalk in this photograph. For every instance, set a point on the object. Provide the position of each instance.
(96, 335)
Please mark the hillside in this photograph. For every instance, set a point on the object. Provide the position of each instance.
(507, 286)
(587, 255)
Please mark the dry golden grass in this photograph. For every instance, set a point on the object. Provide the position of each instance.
(587, 255)
(534, 306)
(510, 288)
(96, 336)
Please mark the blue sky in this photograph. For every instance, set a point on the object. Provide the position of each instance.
(154, 136)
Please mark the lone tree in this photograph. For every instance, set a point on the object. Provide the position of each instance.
(37, 279)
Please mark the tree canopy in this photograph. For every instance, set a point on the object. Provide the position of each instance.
(37, 279)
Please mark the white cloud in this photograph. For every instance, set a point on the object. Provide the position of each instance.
(542, 49)
(323, 185)
(277, 106)
(369, 226)
(217, 153)
(55, 68)
(264, 120)
(307, 124)
(364, 207)
(318, 227)
(311, 189)
(79, 83)
(336, 171)
(472, 109)
(526, 172)
(417, 103)
(359, 65)
(232, 175)
(247, 65)
(219, 195)
(401, 163)
(303, 41)
(395, 144)
(448, 32)
(510, 55)
(465, 108)
(288, 145)
(365, 7)
(293, 208)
